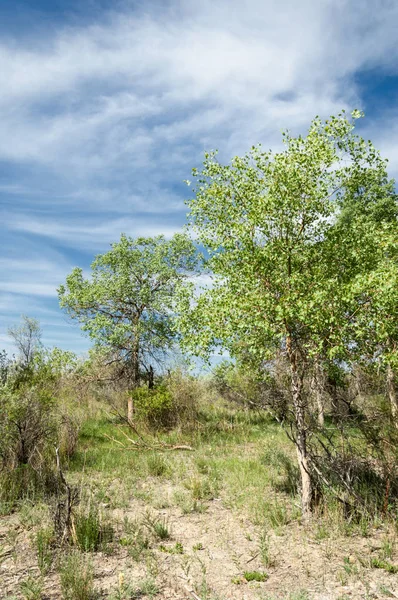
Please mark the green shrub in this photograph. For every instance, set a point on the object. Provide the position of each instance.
(155, 407)
(76, 577)
(173, 403)
(44, 541)
(92, 532)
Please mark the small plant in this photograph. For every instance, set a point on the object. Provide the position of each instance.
(158, 527)
(201, 488)
(147, 587)
(92, 533)
(275, 513)
(138, 548)
(177, 549)
(44, 541)
(188, 505)
(255, 576)
(31, 588)
(76, 577)
(377, 563)
(264, 548)
(387, 549)
(198, 546)
(156, 465)
(348, 567)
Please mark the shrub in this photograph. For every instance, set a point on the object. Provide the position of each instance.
(173, 403)
(155, 407)
(76, 577)
(27, 427)
(92, 532)
(44, 541)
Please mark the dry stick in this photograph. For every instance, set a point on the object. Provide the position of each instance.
(69, 525)
(192, 593)
(137, 446)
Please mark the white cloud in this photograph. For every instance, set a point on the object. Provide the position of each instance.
(90, 234)
(100, 122)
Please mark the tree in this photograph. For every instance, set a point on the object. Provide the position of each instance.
(287, 275)
(127, 305)
(26, 338)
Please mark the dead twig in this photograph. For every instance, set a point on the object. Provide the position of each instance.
(139, 445)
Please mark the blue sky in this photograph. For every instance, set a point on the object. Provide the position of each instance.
(106, 107)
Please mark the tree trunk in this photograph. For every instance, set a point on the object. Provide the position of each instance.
(301, 434)
(150, 378)
(135, 380)
(392, 394)
(318, 389)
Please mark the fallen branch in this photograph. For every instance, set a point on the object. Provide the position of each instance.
(143, 445)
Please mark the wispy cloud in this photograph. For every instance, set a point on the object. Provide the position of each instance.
(103, 118)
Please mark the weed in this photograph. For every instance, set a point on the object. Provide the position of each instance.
(44, 541)
(255, 576)
(198, 546)
(128, 591)
(188, 505)
(158, 526)
(348, 567)
(92, 532)
(156, 465)
(31, 588)
(377, 563)
(201, 488)
(76, 577)
(387, 549)
(177, 549)
(275, 513)
(321, 532)
(264, 548)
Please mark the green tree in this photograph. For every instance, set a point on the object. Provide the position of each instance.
(127, 305)
(287, 275)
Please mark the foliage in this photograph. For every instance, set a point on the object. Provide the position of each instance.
(76, 576)
(171, 403)
(127, 304)
(288, 276)
(92, 531)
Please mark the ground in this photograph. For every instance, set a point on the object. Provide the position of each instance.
(200, 523)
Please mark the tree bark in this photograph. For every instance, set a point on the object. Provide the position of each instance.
(150, 378)
(392, 394)
(317, 390)
(301, 433)
(135, 380)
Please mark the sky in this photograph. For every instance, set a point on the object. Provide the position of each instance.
(107, 106)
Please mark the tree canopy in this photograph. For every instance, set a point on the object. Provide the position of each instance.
(127, 305)
(293, 240)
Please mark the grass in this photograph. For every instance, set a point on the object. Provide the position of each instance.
(255, 576)
(31, 588)
(44, 540)
(241, 461)
(76, 577)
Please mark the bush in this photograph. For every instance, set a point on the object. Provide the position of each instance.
(92, 532)
(27, 427)
(172, 403)
(25, 482)
(76, 576)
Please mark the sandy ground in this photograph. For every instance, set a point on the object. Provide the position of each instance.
(219, 546)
